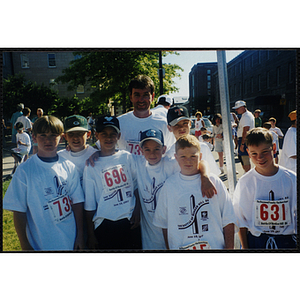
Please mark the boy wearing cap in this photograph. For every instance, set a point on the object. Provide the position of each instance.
(111, 206)
(246, 123)
(152, 171)
(23, 146)
(179, 124)
(289, 150)
(46, 196)
(76, 133)
(188, 220)
(265, 198)
(257, 118)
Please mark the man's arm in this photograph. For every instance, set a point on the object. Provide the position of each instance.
(228, 232)
(78, 214)
(245, 130)
(20, 221)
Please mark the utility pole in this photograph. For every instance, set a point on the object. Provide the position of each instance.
(160, 70)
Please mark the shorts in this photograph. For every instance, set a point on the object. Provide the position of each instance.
(115, 235)
(243, 156)
(219, 145)
(270, 241)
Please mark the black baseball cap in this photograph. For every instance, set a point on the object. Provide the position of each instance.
(107, 121)
(152, 134)
(176, 114)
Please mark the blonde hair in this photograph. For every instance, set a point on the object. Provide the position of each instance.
(187, 141)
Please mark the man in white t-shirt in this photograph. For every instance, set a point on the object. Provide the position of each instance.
(141, 118)
(164, 102)
(246, 123)
(288, 157)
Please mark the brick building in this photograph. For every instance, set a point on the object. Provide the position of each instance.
(42, 67)
(201, 88)
(265, 79)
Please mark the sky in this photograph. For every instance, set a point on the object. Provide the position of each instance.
(187, 59)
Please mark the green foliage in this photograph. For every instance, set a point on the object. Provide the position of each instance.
(10, 237)
(108, 74)
(17, 90)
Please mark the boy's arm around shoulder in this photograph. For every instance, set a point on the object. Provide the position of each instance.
(207, 187)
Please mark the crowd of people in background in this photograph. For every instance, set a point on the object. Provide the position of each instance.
(145, 183)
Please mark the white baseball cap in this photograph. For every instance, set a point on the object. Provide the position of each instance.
(239, 104)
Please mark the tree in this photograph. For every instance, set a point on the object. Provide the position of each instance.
(17, 90)
(108, 73)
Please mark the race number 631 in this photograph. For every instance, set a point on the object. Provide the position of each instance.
(272, 213)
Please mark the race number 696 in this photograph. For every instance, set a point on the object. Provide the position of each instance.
(116, 176)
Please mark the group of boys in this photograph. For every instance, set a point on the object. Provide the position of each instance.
(159, 200)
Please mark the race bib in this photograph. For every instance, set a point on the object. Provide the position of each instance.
(134, 148)
(201, 245)
(60, 208)
(272, 213)
(115, 178)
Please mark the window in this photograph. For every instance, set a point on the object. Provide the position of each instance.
(208, 77)
(240, 89)
(245, 87)
(251, 84)
(80, 89)
(268, 79)
(208, 84)
(51, 60)
(24, 61)
(208, 71)
(259, 57)
(259, 79)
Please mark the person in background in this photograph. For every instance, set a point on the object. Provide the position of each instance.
(246, 123)
(39, 113)
(13, 120)
(218, 139)
(288, 158)
(199, 123)
(164, 102)
(257, 118)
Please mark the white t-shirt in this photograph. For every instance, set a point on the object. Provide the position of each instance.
(247, 119)
(275, 139)
(25, 121)
(78, 158)
(260, 202)
(131, 127)
(289, 149)
(198, 124)
(24, 138)
(189, 217)
(150, 179)
(43, 191)
(206, 155)
(109, 187)
(277, 130)
(160, 109)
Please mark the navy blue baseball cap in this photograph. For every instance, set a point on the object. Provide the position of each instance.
(107, 121)
(176, 114)
(152, 134)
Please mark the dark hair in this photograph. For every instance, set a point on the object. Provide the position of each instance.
(205, 136)
(267, 125)
(198, 113)
(141, 82)
(217, 116)
(48, 123)
(26, 111)
(257, 136)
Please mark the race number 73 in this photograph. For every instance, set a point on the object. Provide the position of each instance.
(60, 208)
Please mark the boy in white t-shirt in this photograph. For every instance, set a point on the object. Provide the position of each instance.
(188, 220)
(46, 196)
(23, 146)
(265, 199)
(110, 193)
(267, 125)
(76, 133)
(180, 124)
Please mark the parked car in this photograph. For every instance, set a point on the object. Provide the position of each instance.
(207, 123)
